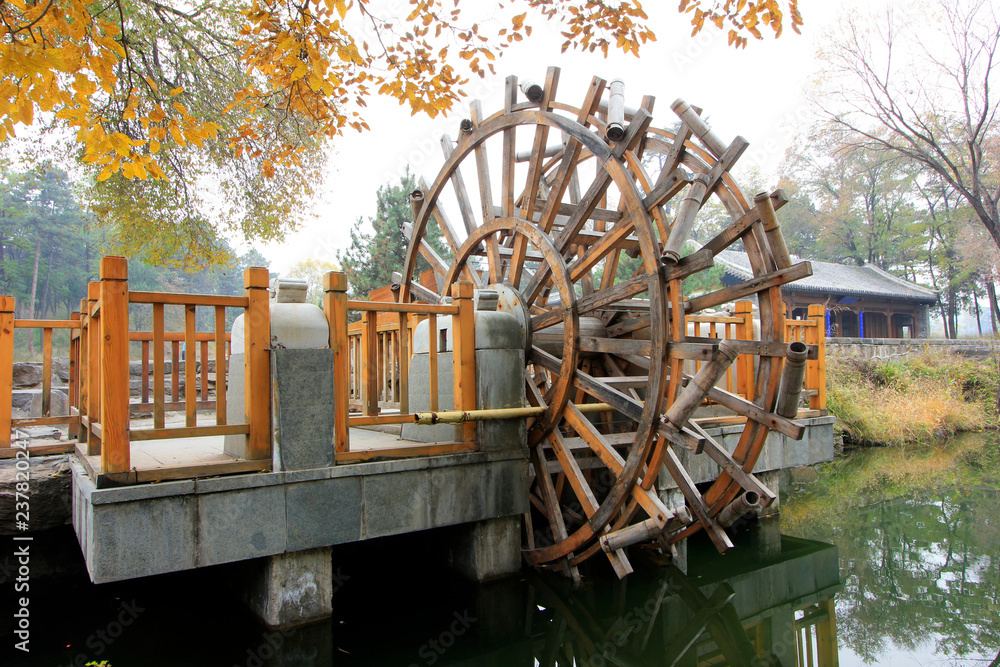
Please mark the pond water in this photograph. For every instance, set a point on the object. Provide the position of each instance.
(905, 581)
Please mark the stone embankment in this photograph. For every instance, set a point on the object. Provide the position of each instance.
(888, 348)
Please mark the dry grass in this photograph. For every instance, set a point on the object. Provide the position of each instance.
(916, 399)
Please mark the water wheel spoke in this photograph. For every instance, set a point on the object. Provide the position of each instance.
(696, 501)
(458, 183)
(566, 174)
(486, 197)
(748, 287)
(581, 488)
(601, 445)
(739, 227)
(721, 456)
(534, 175)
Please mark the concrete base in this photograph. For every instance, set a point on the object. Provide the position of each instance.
(148, 529)
(290, 589)
(487, 550)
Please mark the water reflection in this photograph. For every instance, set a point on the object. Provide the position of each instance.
(769, 604)
(921, 576)
(772, 610)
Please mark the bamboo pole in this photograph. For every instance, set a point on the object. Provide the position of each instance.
(684, 221)
(792, 377)
(699, 386)
(745, 503)
(115, 455)
(772, 230)
(616, 111)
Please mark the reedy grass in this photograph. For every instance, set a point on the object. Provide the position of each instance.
(914, 399)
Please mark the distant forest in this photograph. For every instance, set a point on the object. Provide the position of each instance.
(51, 246)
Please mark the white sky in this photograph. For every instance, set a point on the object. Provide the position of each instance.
(757, 92)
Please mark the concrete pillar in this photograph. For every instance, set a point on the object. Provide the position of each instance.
(289, 589)
(772, 480)
(487, 550)
(499, 382)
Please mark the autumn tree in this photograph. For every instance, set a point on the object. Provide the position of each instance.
(312, 271)
(924, 90)
(235, 101)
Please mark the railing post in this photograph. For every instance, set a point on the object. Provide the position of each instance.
(83, 354)
(94, 369)
(257, 369)
(369, 363)
(817, 313)
(73, 430)
(6, 366)
(463, 327)
(335, 307)
(744, 365)
(114, 366)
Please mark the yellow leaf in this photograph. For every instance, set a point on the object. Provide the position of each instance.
(176, 91)
(154, 146)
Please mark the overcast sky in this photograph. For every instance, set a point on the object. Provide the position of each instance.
(757, 92)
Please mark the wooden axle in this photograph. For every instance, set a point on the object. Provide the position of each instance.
(461, 416)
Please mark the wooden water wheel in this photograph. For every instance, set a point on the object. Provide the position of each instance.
(587, 250)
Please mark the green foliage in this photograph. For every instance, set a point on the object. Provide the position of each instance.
(371, 259)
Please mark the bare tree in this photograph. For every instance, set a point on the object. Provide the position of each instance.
(923, 89)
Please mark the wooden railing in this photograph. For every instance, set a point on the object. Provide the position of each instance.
(99, 383)
(371, 358)
(812, 331)
(200, 356)
(8, 324)
(816, 635)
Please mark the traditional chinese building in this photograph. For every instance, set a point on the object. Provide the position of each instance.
(861, 301)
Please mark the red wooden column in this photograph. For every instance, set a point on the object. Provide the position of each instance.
(335, 308)
(817, 313)
(257, 364)
(115, 456)
(463, 326)
(94, 368)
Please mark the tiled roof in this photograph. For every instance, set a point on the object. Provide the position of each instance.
(833, 278)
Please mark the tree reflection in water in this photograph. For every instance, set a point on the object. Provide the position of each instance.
(919, 573)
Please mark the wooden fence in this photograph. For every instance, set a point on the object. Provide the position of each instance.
(100, 419)
(372, 357)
